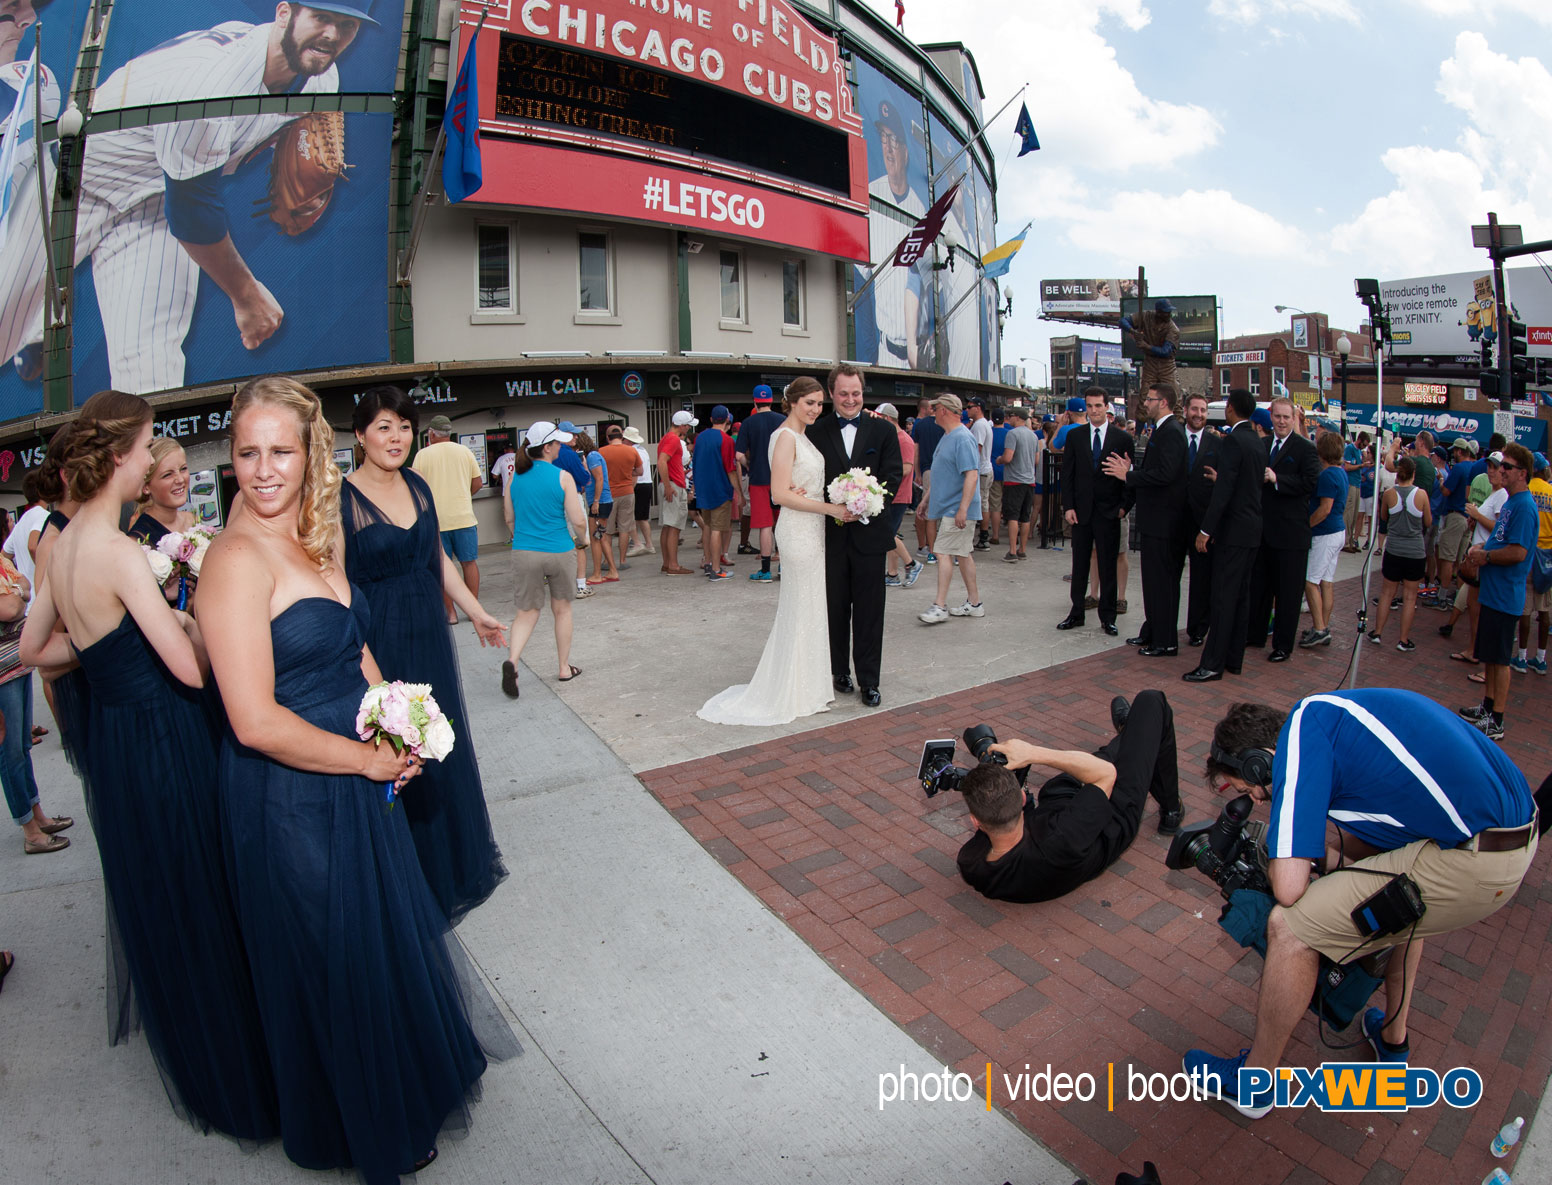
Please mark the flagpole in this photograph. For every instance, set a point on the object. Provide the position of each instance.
(50, 290)
(429, 183)
(979, 132)
(851, 301)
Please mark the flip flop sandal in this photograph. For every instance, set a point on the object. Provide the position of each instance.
(41, 847)
(575, 671)
(509, 679)
(7, 961)
(1462, 656)
(56, 824)
(1477, 677)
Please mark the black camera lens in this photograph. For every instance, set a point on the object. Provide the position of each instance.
(979, 739)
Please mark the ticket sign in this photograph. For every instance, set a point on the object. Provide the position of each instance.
(735, 118)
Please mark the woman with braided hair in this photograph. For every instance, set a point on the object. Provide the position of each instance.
(156, 816)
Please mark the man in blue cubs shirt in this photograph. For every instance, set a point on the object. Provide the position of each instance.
(1502, 564)
(1365, 786)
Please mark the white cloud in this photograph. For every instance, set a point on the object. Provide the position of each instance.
(1250, 12)
(1536, 10)
(1165, 228)
(1501, 163)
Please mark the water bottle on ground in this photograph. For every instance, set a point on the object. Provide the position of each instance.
(1507, 1137)
(1496, 1177)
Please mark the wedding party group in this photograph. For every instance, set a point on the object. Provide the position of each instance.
(273, 745)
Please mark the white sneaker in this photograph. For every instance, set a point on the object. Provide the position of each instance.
(933, 615)
(968, 610)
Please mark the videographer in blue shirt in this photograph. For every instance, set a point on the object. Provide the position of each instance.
(1365, 786)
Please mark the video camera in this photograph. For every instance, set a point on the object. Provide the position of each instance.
(1225, 850)
(937, 771)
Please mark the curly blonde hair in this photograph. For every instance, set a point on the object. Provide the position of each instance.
(318, 520)
(104, 431)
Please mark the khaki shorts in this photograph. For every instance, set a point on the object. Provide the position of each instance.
(1536, 602)
(1454, 537)
(1459, 887)
(993, 495)
(676, 513)
(954, 540)
(718, 518)
(622, 516)
(985, 480)
(532, 570)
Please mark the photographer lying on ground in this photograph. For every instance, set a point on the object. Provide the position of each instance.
(1037, 849)
(1374, 784)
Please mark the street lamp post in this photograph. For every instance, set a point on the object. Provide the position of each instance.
(1344, 347)
(1319, 370)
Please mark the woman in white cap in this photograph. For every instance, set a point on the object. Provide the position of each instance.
(547, 520)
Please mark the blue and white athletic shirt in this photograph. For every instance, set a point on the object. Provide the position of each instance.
(1390, 767)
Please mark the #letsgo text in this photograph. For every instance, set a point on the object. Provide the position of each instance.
(702, 201)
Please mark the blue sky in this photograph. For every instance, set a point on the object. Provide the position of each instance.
(1267, 151)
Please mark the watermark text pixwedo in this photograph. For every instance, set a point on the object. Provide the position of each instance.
(1331, 1086)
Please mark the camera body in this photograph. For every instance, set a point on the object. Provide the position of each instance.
(937, 770)
(1224, 850)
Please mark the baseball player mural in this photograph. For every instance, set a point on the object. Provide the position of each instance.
(157, 208)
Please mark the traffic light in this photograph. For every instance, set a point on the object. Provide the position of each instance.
(1518, 348)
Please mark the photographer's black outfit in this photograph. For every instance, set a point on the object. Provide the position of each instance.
(1073, 831)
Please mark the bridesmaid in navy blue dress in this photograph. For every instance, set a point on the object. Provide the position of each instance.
(147, 751)
(394, 555)
(367, 1029)
(166, 490)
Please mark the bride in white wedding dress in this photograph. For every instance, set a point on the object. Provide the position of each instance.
(793, 678)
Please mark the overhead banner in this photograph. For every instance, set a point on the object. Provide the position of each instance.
(1085, 300)
(1451, 317)
(728, 107)
(190, 268)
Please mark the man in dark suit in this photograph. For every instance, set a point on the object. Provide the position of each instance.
(1201, 451)
(855, 551)
(1292, 471)
(1158, 489)
(1230, 532)
(1092, 500)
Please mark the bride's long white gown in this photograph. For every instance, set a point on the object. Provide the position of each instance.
(793, 678)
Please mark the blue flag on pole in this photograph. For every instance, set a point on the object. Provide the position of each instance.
(461, 170)
(1025, 130)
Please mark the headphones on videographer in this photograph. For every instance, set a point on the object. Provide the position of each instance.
(1252, 765)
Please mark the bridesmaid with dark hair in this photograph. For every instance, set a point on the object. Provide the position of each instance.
(65, 687)
(394, 555)
(147, 753)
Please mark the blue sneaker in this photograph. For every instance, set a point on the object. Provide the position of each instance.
(913, 573)
(1373, 1022)
(1538, 665)
(892, 582)
(763, 577)
(1203, 1066)
(1518, 665)
(931, 559)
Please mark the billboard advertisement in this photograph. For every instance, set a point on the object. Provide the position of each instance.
(730, 119)
(1478, 426)
(1100, 358)
(1453, 316)
(192, 264)
(1197, 319)
(891, 330)
(1096, 301)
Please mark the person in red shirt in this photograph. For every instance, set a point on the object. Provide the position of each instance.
(676, 497)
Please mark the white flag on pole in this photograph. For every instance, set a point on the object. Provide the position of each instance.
(16, 149)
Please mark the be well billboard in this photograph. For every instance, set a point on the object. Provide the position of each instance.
(182, 276)
(733, 119)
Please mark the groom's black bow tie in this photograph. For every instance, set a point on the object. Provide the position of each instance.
(853, 422)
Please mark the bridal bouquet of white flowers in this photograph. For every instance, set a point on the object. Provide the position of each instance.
(859, 491)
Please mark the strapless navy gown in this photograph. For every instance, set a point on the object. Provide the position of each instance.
(366, 1026)
(401, 573)
(149, 759)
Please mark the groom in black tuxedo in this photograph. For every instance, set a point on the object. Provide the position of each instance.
(849, 439)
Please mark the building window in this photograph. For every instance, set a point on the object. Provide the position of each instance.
(495, 291)
(1255, 381)
(1061, 386)
(730, 266)
(1223, 384)
(1278, 379)
(595, 290)
(793, 294)
(1059, 362)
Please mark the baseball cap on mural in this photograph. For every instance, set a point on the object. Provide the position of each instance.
(889, 119)
(762, 394)
(360, 9)
(544, 432)
(683, 419)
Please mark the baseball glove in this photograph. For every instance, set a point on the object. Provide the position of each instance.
(309, 159)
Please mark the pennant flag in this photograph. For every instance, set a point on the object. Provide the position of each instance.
(462, 173)
(19, 134)
(899, 14)
(1024, 129)
(921, 236)
(998, 260)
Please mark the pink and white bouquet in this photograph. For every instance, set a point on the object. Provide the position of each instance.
(408, 717)
(859, 491)
(179, 554)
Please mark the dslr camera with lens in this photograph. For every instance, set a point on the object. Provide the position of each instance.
(1227, 851)
(938, 771)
